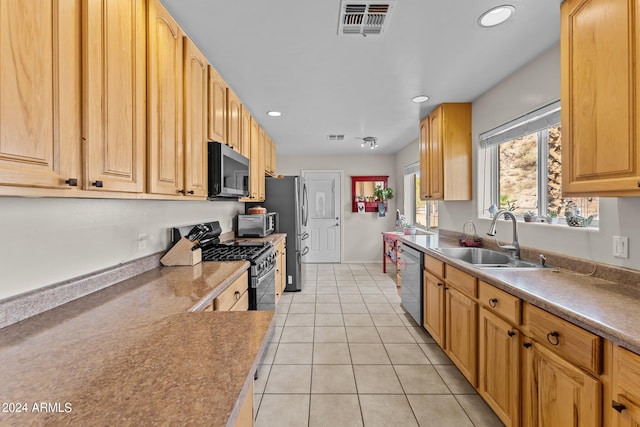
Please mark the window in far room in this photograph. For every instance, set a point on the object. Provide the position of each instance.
(418, 212)
(523, 160)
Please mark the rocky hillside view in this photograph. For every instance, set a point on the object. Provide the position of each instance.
(518, 177)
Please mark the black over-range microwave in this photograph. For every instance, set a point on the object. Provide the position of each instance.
(228, 172)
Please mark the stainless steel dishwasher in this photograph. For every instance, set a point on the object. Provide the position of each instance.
(411, 288)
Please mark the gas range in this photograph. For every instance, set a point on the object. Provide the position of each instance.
(261, 256)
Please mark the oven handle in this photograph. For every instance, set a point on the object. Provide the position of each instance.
(264, 277)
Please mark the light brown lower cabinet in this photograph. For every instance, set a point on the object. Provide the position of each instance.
(461, 332)
(625, 403)
(532, 368)
(235, 297)
(499, 366)
(556, 393)
(245, 415)
(433, 317)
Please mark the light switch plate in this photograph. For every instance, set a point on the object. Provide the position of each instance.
(620, 247)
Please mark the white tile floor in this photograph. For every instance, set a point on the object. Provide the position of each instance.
(344, 353)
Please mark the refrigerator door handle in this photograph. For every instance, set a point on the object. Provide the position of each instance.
(304, 236)
(305, 200)
(305, 251)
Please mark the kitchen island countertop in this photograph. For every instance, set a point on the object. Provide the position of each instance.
(132, 354)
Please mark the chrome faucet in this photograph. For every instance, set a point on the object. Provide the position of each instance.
(515, 245)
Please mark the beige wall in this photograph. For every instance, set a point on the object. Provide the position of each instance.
(532, 86)
(361, 233)
(48, 240)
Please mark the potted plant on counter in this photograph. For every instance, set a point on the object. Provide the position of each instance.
(382, 195)
(552, 217)
(529, 216)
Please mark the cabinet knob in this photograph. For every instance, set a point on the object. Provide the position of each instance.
(493, 302)
(181, 191)
(72, 182)
(527, 345)
(439, 284)
(97, 184)
(511, 333)
(553, 337)
(190, 192)
(638, 184)
(618, 406)
(237, 295)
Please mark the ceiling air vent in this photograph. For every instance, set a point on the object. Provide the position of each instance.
(335, 137)
(369, 17)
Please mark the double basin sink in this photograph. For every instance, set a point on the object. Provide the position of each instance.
(487, 258)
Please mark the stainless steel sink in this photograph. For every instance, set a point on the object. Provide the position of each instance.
(487, 258)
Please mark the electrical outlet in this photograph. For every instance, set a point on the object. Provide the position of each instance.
(620, 247)
(143, 238)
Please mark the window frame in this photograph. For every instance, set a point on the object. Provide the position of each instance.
(538, 121)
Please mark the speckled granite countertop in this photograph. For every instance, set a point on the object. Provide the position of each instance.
(132, 354)
(606, 308)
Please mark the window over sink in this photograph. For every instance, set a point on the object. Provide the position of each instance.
(522, 164)
(418, 212)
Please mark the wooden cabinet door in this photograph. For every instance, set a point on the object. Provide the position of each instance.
(245, 133)
(499, 366)
(235, 123)
(461, 332)
(272, 147)
(557, 393)
(424, 159)
(261, 160)
(435, 175)
(165, 89)
(600, 102)
(434, 307)
(256, 169)
(195, 120)
(114, 94)
(40, 93)
(217, 125)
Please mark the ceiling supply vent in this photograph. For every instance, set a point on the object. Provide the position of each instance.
(335, 137)
(368, 17)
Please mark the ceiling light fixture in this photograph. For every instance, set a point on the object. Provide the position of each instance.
(420, 98)
(496, 16)
(274, 113)
(372, 141)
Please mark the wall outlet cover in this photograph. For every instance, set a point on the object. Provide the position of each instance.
(620, 247)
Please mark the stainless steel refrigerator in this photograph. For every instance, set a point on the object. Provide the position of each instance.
(288, 196)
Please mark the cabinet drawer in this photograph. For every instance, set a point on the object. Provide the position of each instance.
(500, 302)
(461, 281)
(433, 265)
(242, 304)
(570, 341)
(626, 373)
(232, 294)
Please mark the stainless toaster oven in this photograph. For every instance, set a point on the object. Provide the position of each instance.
(257, 225)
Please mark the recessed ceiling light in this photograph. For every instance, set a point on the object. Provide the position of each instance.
(274, 113)
(496, 16)
(420, 98)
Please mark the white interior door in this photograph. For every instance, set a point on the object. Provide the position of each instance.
(323, 223)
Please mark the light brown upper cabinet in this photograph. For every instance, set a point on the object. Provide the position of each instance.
(235, 124)
(114, 94)
(256, 170)
(244, 145)
(217, 130)
(40, 93)
(269, 156)
(445, 153)
(600, 101)
(196, 71)
(165, 155)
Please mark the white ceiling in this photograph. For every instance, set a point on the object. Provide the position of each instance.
(286, 55)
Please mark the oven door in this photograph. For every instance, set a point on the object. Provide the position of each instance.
(262, 294)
